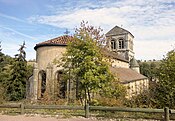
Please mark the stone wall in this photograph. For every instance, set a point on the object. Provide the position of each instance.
(118, 63)
(47, 54)
(127, 51)
(136, 87)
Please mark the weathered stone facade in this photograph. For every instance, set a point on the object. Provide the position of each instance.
(47, 76)
(120, 41)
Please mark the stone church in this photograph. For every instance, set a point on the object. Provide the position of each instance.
(48, 77)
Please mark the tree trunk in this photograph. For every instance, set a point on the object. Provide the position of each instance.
(89, 96)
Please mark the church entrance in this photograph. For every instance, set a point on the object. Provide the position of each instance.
(41, 84)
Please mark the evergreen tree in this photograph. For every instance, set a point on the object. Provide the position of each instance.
(1, 66)
(1, 58)
(16, 85)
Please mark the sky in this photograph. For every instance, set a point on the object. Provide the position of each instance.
(152, 22)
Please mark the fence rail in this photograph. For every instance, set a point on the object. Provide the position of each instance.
(166, 111)
(121, 109)
(59, 107)
(10, 106)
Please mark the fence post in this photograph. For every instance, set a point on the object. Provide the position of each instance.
(166, 114)
(22, 108)
(87, 110)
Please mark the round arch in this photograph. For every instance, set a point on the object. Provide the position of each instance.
(60, 84)
(41, 83)
(113, 44)
(121, 43)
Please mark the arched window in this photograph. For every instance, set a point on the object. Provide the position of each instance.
(113, 44)
(121, 44)
(41, 83)
(61, 84)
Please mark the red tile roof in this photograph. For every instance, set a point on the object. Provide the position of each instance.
(126, 75)
(61, 41)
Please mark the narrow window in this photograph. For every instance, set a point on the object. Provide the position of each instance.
(113, 44)
(121, 44)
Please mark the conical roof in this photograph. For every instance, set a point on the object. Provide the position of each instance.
(134, 63)
(59, 41)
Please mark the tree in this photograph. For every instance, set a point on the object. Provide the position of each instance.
(165, 91)
(5, 62)
(1, 66)
(149, 69)
(84, 62)
(145, 69)
(1, 58)
(16, 85)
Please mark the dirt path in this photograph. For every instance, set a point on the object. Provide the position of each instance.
(48, 118)
(41, 118)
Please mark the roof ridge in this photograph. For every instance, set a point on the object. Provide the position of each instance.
(61, 40)
(117, 30)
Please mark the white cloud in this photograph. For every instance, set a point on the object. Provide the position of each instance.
(11, 17)
(152, 49)
(150, 21)
(12, 31)
(154, 33)
(97, 17)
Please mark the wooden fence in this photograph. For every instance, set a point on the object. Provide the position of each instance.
(166, 111)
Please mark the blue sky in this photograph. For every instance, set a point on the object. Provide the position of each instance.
(152, 22)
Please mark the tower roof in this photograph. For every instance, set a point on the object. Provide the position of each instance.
(117, 31)
(134, 63)
(58, 41)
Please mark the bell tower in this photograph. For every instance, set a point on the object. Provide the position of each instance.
(120, 41)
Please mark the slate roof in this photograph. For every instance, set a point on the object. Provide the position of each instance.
(114, 55)
(59, 41)
(134, 63)
(126, 75)
(117, 31)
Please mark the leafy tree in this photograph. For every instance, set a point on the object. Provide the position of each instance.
(153, 71)
(85, 65)
(149, 69)
(145, 69)
(165, 91)
(16, 85)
